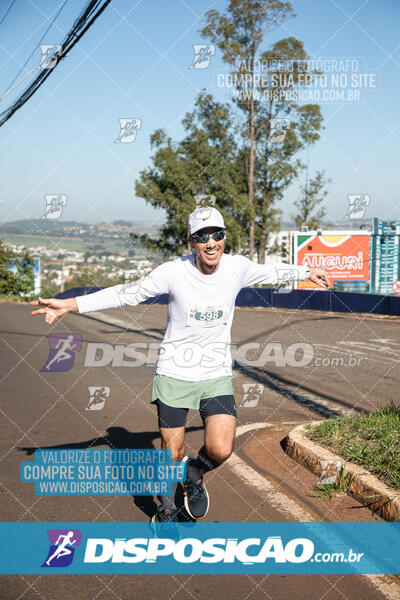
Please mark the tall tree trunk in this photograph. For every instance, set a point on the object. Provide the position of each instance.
(251, 162)
(251, 184)
(264, 232)
(263, 241)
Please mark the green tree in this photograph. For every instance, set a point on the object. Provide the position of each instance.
(239, 34)
(312, 196)
(284, 129)
(206, 161)
(16, 271)
(264, 83)
(240, 161)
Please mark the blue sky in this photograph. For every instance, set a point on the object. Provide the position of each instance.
(134, 63)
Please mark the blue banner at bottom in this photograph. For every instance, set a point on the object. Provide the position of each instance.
(218, 548)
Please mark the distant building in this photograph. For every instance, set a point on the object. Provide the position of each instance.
(385, 256)
(278, 247)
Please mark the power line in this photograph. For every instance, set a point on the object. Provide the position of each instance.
(88, 16)
(20, 81)
(9, 8)
(37, 46)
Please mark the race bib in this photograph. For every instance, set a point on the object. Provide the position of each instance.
(206, 316)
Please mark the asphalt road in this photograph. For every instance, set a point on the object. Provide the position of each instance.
(259, 482)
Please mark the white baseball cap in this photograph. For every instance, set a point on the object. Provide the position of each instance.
(205, 216)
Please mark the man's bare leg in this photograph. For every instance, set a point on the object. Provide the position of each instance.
(172, 438)
(219, 437)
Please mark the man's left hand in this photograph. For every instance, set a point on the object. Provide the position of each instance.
(320, 277)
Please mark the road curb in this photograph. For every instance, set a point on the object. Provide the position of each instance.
(309, 454)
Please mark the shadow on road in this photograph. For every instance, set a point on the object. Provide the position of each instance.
(277, 383)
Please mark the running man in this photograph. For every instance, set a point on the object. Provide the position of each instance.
(62, 346)
(99, 396)
(62, 549)
(194, 369)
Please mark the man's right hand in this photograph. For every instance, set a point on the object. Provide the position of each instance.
(53, 307)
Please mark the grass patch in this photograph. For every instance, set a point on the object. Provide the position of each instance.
(341, 485)
(372, 440)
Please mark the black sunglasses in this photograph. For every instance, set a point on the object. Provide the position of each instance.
(203, 238)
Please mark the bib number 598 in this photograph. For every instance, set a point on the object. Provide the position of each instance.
(208, 316)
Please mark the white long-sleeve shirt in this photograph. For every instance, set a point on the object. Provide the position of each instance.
(196, 344)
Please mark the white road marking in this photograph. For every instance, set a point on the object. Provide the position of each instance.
(263, 486)
(384, 584)
(266, 489)
(379, 353)
(241, 429)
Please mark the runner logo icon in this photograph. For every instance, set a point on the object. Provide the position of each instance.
(98, 396)
(358, 204)
(205, 200)
(202, 56)
(278, 129)
(62, 547)
(62, 351)
(54, 205)
(251, 394)
(128, 130)
(50, 54)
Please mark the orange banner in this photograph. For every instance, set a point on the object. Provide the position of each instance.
(344, 257)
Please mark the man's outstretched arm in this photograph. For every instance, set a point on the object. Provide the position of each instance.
(281, 273)
(112, 297)
(320, 277)
(54, 308)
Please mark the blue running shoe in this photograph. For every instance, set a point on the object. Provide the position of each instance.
(195, 494)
